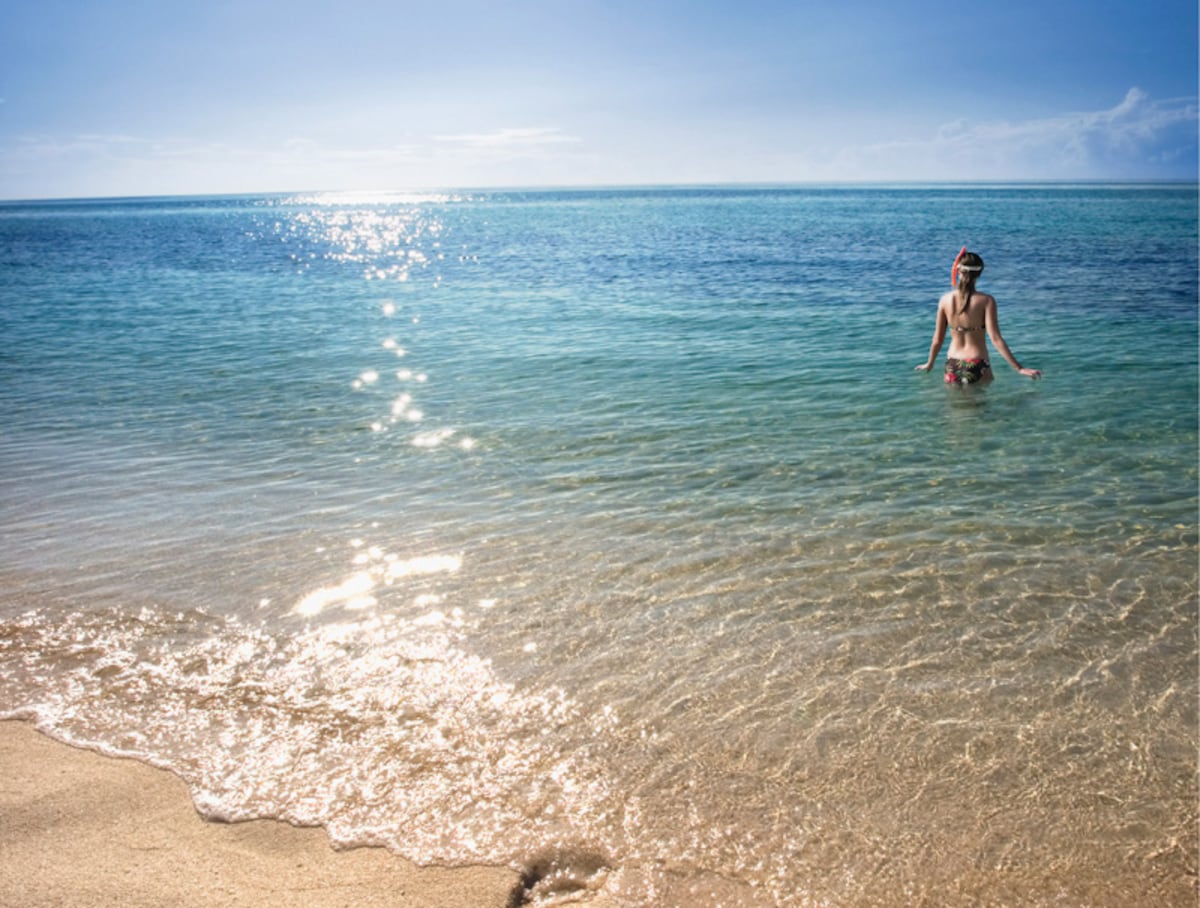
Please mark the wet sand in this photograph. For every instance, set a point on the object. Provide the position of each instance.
(81, 829)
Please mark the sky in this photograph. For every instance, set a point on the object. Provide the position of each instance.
(173, 97)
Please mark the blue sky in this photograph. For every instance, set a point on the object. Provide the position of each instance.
(142, 97)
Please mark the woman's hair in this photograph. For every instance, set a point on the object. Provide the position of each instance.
(970, 266)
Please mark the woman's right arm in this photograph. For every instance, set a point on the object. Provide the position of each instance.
(939, 335)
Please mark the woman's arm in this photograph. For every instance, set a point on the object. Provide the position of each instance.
(992, 321)
(939, 335)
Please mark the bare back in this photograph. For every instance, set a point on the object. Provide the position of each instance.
(969, 328)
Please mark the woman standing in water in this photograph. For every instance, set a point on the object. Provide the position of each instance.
(967, 314)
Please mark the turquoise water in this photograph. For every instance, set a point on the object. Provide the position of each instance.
(613, 531)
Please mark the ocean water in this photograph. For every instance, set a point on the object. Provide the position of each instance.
(611, 536)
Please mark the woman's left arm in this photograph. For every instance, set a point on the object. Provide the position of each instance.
(992, 321)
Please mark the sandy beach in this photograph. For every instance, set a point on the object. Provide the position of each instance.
(82, 829)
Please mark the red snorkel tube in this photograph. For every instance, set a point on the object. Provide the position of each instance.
(954, 270)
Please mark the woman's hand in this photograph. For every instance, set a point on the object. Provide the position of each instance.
(1035, 374)
(925, 367)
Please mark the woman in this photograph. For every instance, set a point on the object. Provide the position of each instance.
(967, 314)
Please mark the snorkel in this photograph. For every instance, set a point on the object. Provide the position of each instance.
(954, 270)
(973, 265)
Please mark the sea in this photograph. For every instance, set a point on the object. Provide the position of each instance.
(610, 535)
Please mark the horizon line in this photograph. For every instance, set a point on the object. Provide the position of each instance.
(626, 187)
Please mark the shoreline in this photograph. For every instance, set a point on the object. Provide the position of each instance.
(84, 829)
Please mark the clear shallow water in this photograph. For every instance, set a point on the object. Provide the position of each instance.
(611, 533)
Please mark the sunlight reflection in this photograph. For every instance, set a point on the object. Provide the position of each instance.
(389, 235)
(352, 593)
(432, 439)
(374, 197)
(386, 243)
(400, 405)
(376, 567)
(428, 564)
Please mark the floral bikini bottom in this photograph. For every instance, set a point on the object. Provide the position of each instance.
(966, 371)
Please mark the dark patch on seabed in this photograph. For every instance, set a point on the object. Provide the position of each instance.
(557, 872)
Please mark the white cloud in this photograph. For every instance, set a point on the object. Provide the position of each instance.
(522, 138)
(113, 164)
(306, 150)
(1138, 137)
(117, 164)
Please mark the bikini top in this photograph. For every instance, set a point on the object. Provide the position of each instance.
(963, 329)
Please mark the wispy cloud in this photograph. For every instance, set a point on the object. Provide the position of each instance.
(37, 146)
(1138, 137)
(40, 165)
(301, 149)
(510, 139)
